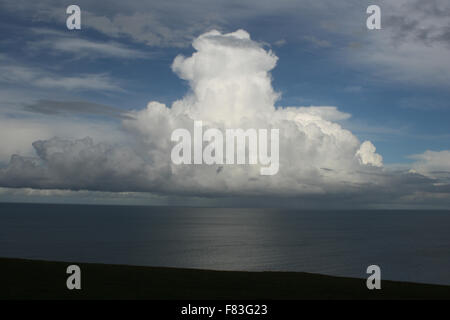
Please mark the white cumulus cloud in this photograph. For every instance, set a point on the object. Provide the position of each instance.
(368, 156)
(433, 164)
(230, 87)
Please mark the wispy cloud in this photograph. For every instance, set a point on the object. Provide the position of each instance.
(316, 42)
(51, 107)
(82, 82)
(433, 164)
(30, 76)
(65, 42)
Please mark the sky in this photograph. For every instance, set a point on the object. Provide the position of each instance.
(86, 115)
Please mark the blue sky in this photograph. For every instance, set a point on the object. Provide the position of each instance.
(403, 118)
(327, 57)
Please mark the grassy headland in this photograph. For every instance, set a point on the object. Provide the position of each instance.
(33, 279)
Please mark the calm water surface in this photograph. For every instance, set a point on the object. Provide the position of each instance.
(407, 245)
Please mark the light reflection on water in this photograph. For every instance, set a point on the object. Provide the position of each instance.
(407, 245)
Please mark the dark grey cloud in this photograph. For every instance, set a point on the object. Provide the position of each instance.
(77, 165)
(434, 8)
(424, 21)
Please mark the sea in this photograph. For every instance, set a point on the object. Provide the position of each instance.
(407, 245)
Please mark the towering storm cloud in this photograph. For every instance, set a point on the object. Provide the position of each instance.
(230, 82)
(230, 87)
